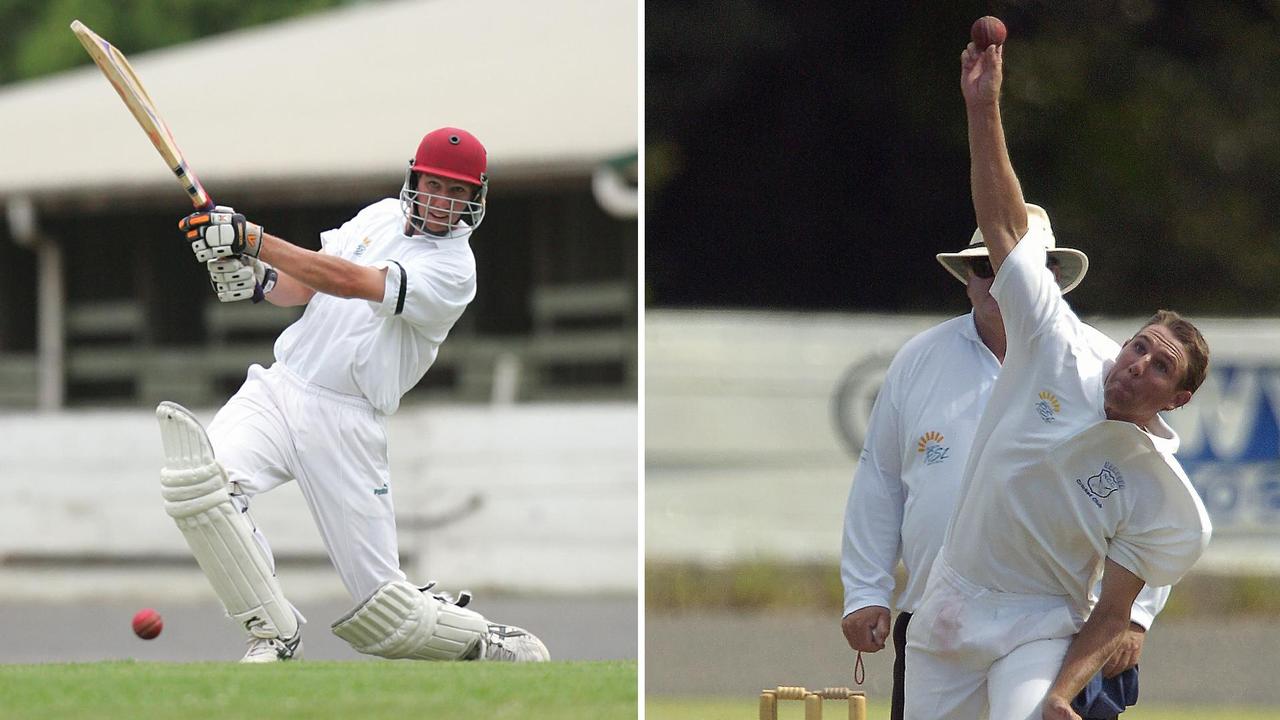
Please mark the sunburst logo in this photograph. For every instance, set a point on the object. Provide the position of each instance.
(927, 439)
(931, 445)
(1048, 406)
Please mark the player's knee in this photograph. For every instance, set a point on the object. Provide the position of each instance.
(191, 481)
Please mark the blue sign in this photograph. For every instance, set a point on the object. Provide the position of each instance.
(1231, 446)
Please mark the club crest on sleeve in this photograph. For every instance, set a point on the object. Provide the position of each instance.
(364, 245)
(1100, 486)
(931, 445)
(1048, 406)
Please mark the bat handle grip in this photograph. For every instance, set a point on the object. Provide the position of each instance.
(199, 197)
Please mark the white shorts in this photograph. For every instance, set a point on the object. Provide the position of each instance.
(972, 651)
(278, 428)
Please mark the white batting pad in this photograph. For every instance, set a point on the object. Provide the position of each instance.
(195, 493)
(401, 621)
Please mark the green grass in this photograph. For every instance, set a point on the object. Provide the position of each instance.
(745, 708)
(319, 690)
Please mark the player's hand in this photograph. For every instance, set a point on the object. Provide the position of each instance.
(981, 74)
(866, 628)
(241, 278)
(1056, 708)
(1129, 652)
(221, 233)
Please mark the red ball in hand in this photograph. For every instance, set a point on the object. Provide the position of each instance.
(147, 624)
(988, 30)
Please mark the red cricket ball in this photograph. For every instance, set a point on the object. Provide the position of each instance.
(988, 30)
(147, 624)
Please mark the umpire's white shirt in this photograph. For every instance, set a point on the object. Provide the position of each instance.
(380, 350)
(908, 478)
(1051, 485)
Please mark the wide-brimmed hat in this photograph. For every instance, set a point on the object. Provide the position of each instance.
(1072, 264)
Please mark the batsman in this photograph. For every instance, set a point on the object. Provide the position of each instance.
(381, 296)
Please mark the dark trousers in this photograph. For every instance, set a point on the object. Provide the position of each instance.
(900, 664)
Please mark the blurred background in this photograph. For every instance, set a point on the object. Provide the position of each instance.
(804, 163)
(519, 446)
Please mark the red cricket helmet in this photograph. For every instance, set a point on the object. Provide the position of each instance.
(453, 153)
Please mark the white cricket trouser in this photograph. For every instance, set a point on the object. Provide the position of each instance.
(973, 651)
(278, 428)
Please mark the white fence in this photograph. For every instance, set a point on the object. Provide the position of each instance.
(527, 498)
(753, 422)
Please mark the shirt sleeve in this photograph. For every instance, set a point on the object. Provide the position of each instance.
(1029, 296)
(872, 542)
(1149, 604)
(1166, 533)
(335, 241)
(427, 289)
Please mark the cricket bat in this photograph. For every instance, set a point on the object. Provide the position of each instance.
(120, 74)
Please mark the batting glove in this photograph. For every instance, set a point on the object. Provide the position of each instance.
(241, 278)
(221, 233)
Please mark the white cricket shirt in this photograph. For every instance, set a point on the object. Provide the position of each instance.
(908, 478)
(379, 350)
(1052, 487)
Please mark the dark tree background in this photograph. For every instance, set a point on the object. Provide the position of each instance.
(813, 155)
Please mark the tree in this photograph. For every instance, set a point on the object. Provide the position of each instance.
(814, 155)
(35, 39)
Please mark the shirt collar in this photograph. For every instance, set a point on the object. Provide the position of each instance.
(970, 328)
(457, 237)
(1163, 437)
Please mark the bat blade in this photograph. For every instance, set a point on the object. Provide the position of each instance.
(115, 67)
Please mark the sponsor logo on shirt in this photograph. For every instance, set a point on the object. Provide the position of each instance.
(1100, 486)
(382, 490)
(931, 445)
(364, 245)
(1048, 407)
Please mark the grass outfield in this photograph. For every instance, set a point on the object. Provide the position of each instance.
(746, 709)
(319, 690)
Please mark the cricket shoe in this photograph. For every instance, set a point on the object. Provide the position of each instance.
(508, 643)
(269, 649)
